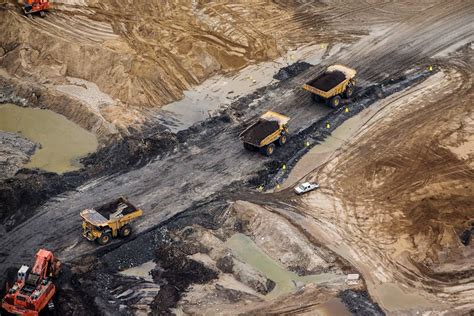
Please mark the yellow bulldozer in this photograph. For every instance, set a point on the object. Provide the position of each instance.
(109, 221)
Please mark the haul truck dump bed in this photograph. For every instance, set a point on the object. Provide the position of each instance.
(270, 129)
(108, 221)
(335, 82)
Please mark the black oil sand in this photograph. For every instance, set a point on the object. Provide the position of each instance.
(328, 80)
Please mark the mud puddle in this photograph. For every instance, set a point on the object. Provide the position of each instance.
(199, 103)
(63, 142)
(286, 281)
(332, 307)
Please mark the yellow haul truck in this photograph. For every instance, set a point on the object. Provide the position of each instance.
(270, 129)
(336, 82)
(109, 221)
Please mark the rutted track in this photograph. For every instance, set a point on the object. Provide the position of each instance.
(203, 164)
(398, 208)
(164, 188)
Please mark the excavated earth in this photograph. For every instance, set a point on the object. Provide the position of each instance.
(121, 61)
(395, 203)
(259, 131)
(401, 192)
(327, 81)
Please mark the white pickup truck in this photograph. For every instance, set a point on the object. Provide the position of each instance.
(306, 187)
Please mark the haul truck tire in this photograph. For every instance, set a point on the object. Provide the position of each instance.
(104, 239)
(335, 101)
(249, 147)
(349, 92)
(281, 140)
(125, 231)
(316, 98)
(269, 149)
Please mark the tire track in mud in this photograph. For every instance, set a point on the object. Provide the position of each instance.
(159, 184)
(141, 187)
(234, 155)
(356, 225)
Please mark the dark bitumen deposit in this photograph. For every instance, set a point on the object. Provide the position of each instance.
(360, 303)
(292, 70)
(185, 181)
(259, 131)
(328, 80)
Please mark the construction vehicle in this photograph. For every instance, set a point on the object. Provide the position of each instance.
(270, 129)
(33, 6)
(109, 221)
(335, 83)
(33, 289)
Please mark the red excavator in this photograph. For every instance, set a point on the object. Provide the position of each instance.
(33, 289)
(32, 6)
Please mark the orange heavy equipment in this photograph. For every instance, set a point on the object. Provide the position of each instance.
(33, 288)
(32, 6)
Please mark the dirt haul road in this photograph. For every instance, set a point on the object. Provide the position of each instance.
(215, 158)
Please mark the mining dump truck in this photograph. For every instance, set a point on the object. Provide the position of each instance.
(270, 129)
(335, 83)
(109, 221)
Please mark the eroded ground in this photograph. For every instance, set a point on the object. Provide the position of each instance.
(396, 183)
(400, 193)
(145, 54)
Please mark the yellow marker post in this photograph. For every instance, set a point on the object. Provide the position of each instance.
(328, 125)
(306, 144)
(283, 167)
(346, 110)
(260, 188)
(430, 68)
(278, 186)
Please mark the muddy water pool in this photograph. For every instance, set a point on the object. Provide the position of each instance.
(286, 281)
(62, 142)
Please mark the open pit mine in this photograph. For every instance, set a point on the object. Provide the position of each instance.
(236, 157)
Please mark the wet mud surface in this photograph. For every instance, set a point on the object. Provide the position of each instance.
(405, 180)
(186, 204)
(14, 153)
